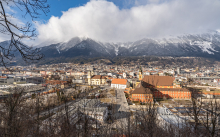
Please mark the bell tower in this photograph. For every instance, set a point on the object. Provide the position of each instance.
(89, 77)
(140, 74)
(92, 73)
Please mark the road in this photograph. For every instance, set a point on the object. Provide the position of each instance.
(123, 109)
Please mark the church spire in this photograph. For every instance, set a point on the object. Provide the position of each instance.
(140, 74)
(140, 69)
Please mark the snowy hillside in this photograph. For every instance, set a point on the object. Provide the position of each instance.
(200, 45)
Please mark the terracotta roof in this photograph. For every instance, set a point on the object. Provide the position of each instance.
(98, 77)
(119, 81)
(159, 80)
(141, 90)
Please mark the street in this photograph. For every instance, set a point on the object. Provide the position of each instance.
(123, 109)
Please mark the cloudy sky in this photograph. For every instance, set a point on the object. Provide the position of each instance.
(126, 20)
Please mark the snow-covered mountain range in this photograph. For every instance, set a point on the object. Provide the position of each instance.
(199, 45)
(202, 45)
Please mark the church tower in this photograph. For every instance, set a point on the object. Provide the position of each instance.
(89, 77)
(140, 74)
(92, 73)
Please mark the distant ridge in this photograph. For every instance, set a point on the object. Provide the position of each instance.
(198, 45)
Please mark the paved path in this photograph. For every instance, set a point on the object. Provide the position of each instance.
(123, 109)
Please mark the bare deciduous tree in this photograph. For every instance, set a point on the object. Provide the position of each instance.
(18, 32)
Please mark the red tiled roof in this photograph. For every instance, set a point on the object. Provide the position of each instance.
(119, 81)
(98, 77)
(159, 80)
(141, 90)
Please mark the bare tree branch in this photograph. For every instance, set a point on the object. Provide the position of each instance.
(17, 32)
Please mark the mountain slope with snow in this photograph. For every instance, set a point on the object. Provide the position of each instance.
(203, 45)
(200, 45)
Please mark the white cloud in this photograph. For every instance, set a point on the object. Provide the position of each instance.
(6, 35)
(104, 21)
(10, 12)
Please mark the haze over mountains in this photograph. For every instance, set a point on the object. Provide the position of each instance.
(201, 45)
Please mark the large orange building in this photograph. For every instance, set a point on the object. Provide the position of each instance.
(142, 94)
(154, 86)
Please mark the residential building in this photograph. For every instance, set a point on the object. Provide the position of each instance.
(35, 80)
(6, 81)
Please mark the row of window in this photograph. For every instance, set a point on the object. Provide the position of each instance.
(140, 98)
(145, 100)
(173, 92)
(142, 95)
(181, 97)
(136, 98)
(95, 83)
(174, 95)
